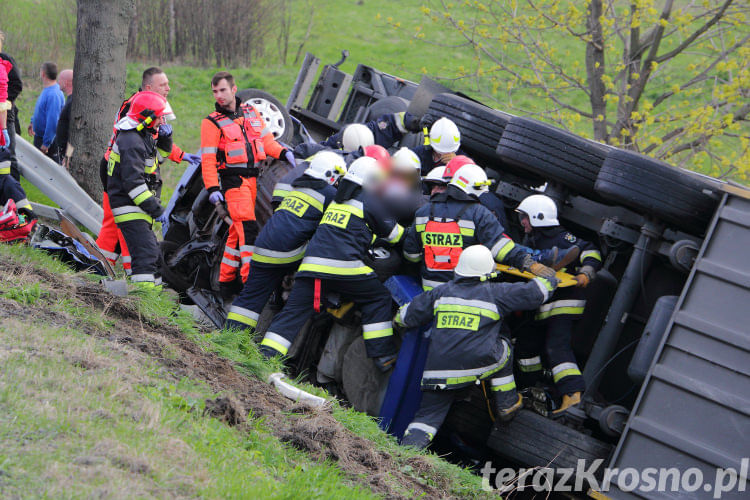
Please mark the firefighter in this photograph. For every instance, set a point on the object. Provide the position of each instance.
(466, 346)
(552, 329)
(134, 205)
(233, 140)
(109, 239)
(10, 188)
(356, 140)
(281, 244)
(333, 263)
(385, 131)
(489, 199)
(454, 220)
(434, 183)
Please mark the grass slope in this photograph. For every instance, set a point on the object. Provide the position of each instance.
(125, 398)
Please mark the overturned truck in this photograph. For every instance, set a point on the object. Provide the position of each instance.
(664, 342)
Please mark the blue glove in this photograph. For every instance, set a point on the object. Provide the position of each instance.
(290, 158)
(163, 218)
(165, 130)
(6, 139)
(215, 197)
(191, 158)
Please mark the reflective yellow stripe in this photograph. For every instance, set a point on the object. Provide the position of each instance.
(377, 334)
(306, 198)
(341, 207)
(467, 231)
(142, 197)
(505, 387)
(505, 249)
(559, 310)
(591, 254)
(420, 227)
(399, 229)
(277, 260)
(565, 373)
(133, 216)
(274, 345)
(150, 169)
(345, 271)
(4, 170)
(242, 319)
(467, 309)
(281, 193)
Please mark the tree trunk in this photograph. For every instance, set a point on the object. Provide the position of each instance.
(172, 32)
(99, 84)
(595, 70)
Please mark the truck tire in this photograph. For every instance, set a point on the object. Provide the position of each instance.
(176, 280)
(552, 153)
(271, 171)
(657, 189)
(273, 112)
(481, 127)
(532, 440)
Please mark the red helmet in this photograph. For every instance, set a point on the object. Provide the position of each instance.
(456, 163)
(379, 153)
(146, 107)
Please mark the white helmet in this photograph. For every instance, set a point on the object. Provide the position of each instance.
(357, 136)
(327, 166)
(471, 179)
(364, 171)
(168, 113)
(406, 160)
(541, 210)
(475, 261)
(435, 176)
(444, 136)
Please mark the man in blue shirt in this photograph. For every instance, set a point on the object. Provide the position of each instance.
(47, 111)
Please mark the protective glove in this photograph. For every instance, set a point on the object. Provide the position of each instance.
(6, 139)
(163, 218)
(536, 268)
(584, 276)
(426, 121)
(290, 159)
(191, 158)
(215, 197)
(165, 130)
(385, 363)
(412, 123)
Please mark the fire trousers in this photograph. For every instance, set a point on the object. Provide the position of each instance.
(238, 251)
(261, 283)
(548, 340)
(110, 240)
(144, 251)
(368, 294)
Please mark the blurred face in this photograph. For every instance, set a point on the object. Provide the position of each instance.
(525, 222)
(224, 94)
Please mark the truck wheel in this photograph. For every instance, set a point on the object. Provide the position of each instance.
(532, 440)
(273, 112)
(655, 188)
(176, 280)
(481, 127)
(552, 153)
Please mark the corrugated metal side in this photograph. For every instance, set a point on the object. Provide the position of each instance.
(694, 407)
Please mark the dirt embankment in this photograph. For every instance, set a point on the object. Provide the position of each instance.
(313, 431)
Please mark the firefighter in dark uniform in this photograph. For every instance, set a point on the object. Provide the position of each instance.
(552, 329)
(333, 263)
(134, 205)
(466, 345)
(281, 244)
(454, 220)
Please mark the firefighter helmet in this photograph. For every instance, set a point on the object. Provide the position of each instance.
(541, 210)
(475, 261)
(435, 176)
(327, 166)
(471, 179)
(379, 153)
(356, 136)
(456, 163)
(146, 107)
(406, 160)
(364, 171)
(445, 136)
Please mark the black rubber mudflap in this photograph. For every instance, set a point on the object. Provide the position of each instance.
(209, 303)
(532, 440)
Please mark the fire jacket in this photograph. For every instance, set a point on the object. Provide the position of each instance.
(466, 315)
(284, 237)
(544, 238)
(346, 231)
(232, 142)
(129, 195)
(450, 222)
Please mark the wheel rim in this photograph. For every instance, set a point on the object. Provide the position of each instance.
(271, 114)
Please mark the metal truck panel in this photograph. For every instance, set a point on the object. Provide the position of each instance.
(694, 406)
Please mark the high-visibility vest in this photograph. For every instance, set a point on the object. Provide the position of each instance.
(232, 151)
(442, 241)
